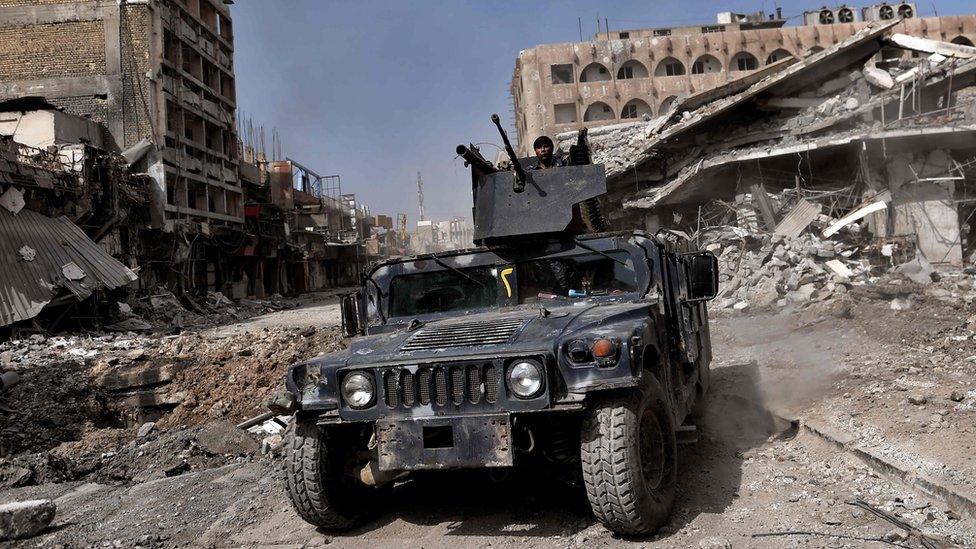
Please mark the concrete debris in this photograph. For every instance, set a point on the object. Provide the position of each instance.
(860, 213)
(925, 45)
(879, 78)
(919, 270)
(27, 253)
(146, 429)
(25, 519)
(900, 304)
(12, 200)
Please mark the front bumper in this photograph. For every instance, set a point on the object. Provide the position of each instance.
(444, 443)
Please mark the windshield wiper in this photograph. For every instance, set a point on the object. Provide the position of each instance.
(455, 270)
(604, 254)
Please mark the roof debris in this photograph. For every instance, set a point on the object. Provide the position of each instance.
(12, 200)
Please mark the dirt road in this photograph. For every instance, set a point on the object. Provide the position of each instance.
(751, 480)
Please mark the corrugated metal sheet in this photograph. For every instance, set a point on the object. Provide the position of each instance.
(27, 286)
(798, 219)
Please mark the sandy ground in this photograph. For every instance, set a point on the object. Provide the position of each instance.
(750, 481)
(319, 310)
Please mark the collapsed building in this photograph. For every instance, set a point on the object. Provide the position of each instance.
(624, 75)
(826, 169)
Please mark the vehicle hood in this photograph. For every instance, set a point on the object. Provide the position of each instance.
(531, 330)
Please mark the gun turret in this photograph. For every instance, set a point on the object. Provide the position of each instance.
(472, 157)
(519, 184)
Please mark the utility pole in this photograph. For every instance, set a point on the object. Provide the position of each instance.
(420, 197)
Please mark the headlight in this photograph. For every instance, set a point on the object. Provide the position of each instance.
(358, 389)
(525, 379)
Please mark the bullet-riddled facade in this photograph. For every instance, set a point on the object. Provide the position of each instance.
(632, 74)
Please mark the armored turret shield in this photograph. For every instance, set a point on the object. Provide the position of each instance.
(545, 207)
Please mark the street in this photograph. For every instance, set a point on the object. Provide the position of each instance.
(752, 480)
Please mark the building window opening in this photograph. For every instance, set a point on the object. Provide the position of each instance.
(565, 113)
(669, 67)
(661, 32)
(562, 74)
(668, 104)
(744, 61)
(778, 55)
(635, 108)
(598, 111)
(706, 64)
(632, 69)
(962, 41)
(594, 72)
(624, 35)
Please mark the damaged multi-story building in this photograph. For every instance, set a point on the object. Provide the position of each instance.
(120, 116)
(155, 71)
(631, 74)
(861, 155)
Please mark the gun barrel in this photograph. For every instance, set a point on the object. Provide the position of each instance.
(474, 159)
(519, 172)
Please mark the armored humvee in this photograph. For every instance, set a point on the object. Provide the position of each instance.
(587, 350)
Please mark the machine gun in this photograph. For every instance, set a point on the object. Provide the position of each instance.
(472, 157)
(579, 154)
(519, 184)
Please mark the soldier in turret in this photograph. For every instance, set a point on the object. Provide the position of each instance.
(546, 154)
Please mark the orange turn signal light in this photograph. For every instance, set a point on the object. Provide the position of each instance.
(603, 348)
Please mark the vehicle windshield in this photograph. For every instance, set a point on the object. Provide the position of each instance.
(564, 277)
(576, 276)
(441, 291)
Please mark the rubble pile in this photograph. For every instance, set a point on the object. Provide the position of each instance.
(126, 406)
(762, 270)
(163, 310)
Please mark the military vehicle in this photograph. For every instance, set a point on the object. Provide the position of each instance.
(544, 342)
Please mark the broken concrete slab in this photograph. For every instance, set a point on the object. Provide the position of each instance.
(879, 78)
(839, 268)
(152, 399)
(25, 519)
(140, 376)
(926, 45)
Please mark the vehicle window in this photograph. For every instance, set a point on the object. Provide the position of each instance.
(576, 276)
(440, 291)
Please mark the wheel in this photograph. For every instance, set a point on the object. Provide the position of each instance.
(629, 461)
(320, 489)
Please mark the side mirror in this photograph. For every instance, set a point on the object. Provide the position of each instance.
(351, 318)
(702, 272)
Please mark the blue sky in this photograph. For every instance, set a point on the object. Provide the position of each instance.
(377, 91)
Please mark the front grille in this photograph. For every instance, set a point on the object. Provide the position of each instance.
(484, 332)
(440, 385)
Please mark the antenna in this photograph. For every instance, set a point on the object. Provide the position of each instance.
(420, 196)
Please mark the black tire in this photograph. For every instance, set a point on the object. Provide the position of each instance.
(320, 489)
(629, 461)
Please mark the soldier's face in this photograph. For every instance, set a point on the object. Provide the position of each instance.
(543, 151)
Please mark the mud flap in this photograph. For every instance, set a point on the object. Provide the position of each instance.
(444, 443)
